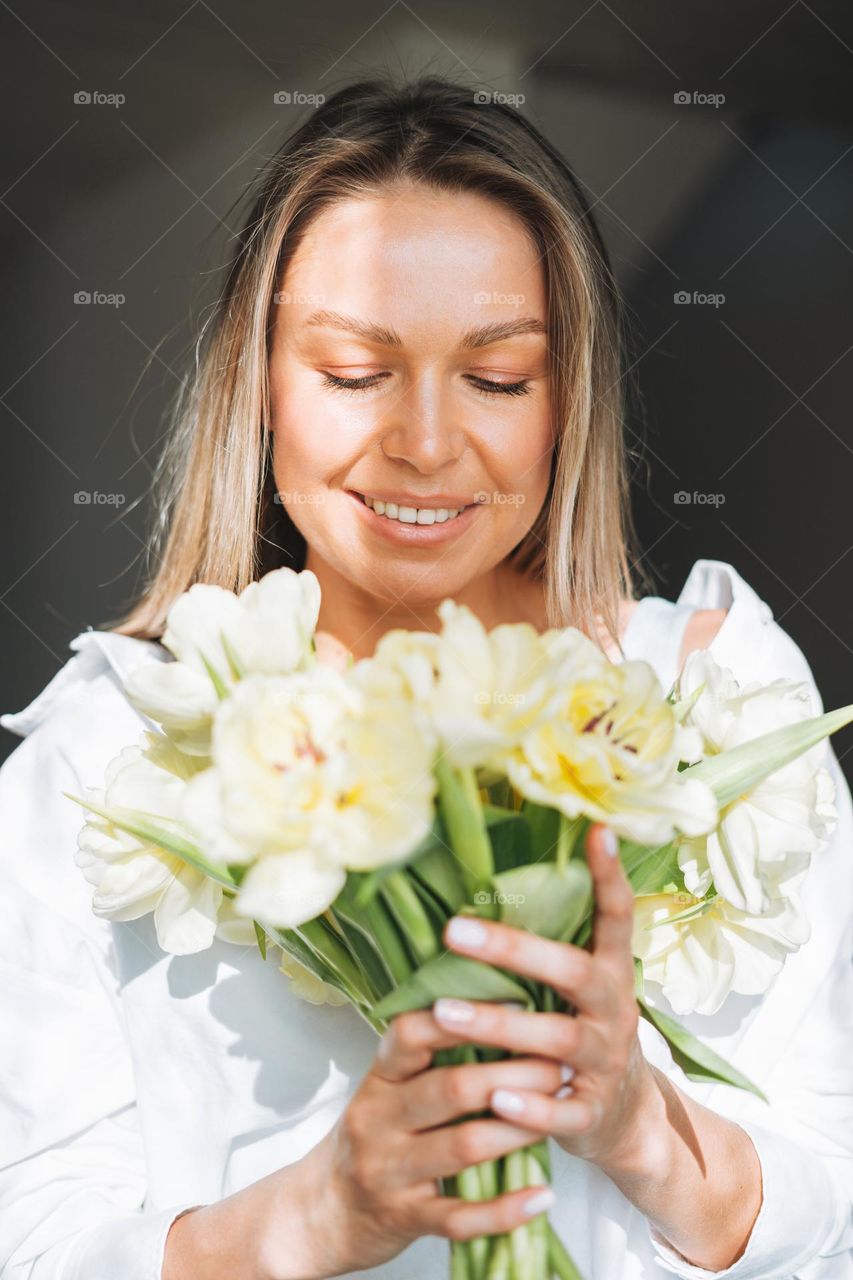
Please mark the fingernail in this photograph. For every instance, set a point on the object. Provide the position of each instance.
(564, 1091)
(610, 841)
(512, 1004)
(566, 1072)
(506, 1100)
(455, 1012)
(467, 932)
(543, 1200)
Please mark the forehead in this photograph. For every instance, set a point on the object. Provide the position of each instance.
(413, 237)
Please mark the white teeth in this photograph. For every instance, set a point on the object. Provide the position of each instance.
(412, 515)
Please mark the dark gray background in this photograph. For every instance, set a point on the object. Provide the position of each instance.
(752, 199)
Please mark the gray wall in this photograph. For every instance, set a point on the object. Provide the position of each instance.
(748, 399)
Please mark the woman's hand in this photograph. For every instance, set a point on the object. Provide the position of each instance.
(596, 1115)
(371, 1185)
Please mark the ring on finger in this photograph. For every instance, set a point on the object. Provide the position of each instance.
(566, 1074)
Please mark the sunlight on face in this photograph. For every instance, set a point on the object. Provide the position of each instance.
(409, 365)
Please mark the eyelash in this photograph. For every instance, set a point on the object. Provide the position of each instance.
(354, 385)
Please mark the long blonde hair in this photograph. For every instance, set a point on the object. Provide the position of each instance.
(215, 518)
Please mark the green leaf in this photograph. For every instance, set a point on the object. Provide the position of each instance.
(544, 825)
(451, 975)
(222, 690)
(509, 834)
(375, 920)
(697, 1060)
(441, 873)
(650, 867)
(545, 899)
(151, 831)
(734, 772)
(261, 936)
(238, 671)
(367, 955)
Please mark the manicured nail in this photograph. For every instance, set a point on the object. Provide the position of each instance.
(454, 1012)
(610, 841)
(543, 1200)
(565, 1091)
(467, 932)
(566, 1072)
(506, 1100)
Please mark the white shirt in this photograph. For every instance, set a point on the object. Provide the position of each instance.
(134, 1083)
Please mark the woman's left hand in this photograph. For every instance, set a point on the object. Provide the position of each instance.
(599, 1113)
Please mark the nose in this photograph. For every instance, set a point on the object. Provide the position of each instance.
(422, 429)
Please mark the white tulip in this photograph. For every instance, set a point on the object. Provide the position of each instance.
(771, 832)
(716, 949)
(215, 636)
(312, 774)
(132, 877)
(289, 889)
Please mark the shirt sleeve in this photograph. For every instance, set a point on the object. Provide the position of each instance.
(799, 1045)
(73, 1175)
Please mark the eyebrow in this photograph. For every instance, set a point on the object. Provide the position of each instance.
(483, 336)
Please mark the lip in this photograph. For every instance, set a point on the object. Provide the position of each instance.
(406, 499)
(414, 535)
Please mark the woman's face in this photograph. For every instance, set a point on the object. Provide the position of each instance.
(409, 367)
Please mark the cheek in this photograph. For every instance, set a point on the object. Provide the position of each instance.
(314, 437)
(522, 461)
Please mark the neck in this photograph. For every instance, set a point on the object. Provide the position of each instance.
(357, 619)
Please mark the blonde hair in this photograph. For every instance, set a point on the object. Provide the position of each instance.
(216, 520)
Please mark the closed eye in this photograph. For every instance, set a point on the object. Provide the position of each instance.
(484, 385)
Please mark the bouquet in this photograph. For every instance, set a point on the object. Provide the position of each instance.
(344, 816)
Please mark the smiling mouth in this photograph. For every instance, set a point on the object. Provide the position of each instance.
(411, 515)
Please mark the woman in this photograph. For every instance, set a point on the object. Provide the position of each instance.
(411, 385)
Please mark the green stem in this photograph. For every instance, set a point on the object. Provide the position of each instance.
(462, 814)
(404, 904)
(479, 1182)
(459, 1259)
(520, 1239)
(537, 1176)
(389, 944)
(500, 1266)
